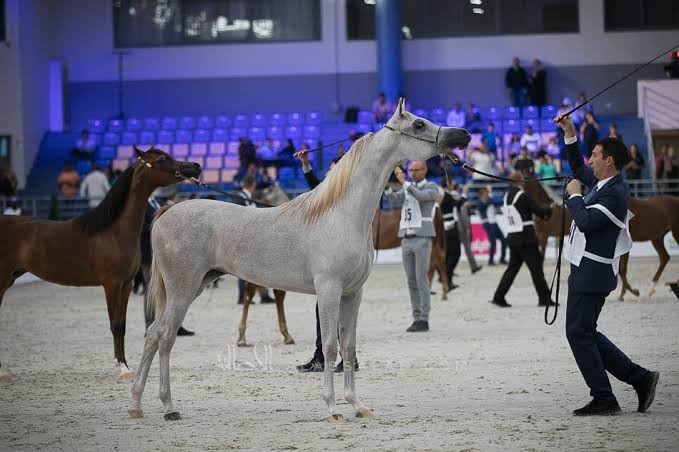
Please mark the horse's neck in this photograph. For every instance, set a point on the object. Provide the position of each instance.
(137, 203)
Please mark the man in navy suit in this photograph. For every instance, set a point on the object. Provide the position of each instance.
(599, 235)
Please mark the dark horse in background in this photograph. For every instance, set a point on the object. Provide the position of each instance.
(653, 218)
(98, 248)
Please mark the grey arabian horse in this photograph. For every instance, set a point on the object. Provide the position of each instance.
(318, 243)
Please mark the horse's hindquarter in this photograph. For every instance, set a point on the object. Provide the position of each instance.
(651, 219)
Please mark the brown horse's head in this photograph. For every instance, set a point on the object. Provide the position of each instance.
(162, 169)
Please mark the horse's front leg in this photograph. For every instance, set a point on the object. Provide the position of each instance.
(117, 295)
(348, 317)
(329, 293)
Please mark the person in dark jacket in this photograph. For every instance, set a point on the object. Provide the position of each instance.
(516, 82)
(519, 208)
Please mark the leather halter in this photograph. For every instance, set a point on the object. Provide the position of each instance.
(400, 132)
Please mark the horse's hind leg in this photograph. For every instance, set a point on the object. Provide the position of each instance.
(280, 311)
(348, 317)
(659, 245)
(623, 276)
(248, 294)
(117, 296)
(7, 278)
(150, 349)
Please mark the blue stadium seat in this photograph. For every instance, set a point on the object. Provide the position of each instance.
(220, 135)
(106, 153)
(532, 123)
(222, 122)
(511, 112)
(295, 119)
(147, 137)
(547, 125)
(312, 132)
(277, 119)
(182, 136)
(313, 118)
(259, 120)
(169, 123)
(133, 125)
(187, 123)
(111, 139)
(237, 133)
(165, 137)
(129, 138)
(491, 113)
(275, 133)
(438, 115)
(201, 136)
(96, 126)
(421, 113)
(97, 138)
(241, 121)
(256, 134)
(548, 112)
(365, 128)
(286, 173)
(365, 117)
(292, 132)
(205, 122)
(83, 167)
(511, 126)
(530, 112)
(152, 124)
(115, 126)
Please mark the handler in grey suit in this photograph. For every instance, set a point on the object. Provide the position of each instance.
(416, 231)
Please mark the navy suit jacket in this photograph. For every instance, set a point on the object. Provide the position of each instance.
(600, 232)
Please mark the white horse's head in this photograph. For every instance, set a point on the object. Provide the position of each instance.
(419, 139)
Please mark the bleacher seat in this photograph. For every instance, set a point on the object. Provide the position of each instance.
(438, 116)
(548, 112)
(199, 149)
(421, 113)
(124, 152)
(295, 119)
(115, 126)
(365, 117)
(220, 135)
(151, 124)
(180, 151)
(241, 121)
(232, 147)
(210, 176)
(196, 159)
(236, 133)
(187, 122)
(231, 162)
(165, 147)
(313, 118)
(530, 112)
(365, 128)
(491, 113)
(111, 139)
(133, 125)
(120, 164)
(129, 138)
(182, 136)
(222, 122)
(511, 112)
(228, 175)
(277, 119)
(97, 137)
(259, 120)
(292, 132)
(96, 126)
(205, 122)
(213, 162)
(547, 125)
(165, 137)
(532, 123)
(147, 137)
(106, 153)
(169, 123)
(511, 126)
(286, 173)
(217, 148)
(312, 132)
(275, 133)
(257, 134)
(201, 136)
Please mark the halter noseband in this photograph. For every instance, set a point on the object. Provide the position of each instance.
(400, 132)
(148, 165)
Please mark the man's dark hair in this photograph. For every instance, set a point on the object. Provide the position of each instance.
(249, 180)
(616, 149)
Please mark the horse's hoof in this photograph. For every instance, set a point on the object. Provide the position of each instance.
(241, 343)
(651, 292)
(289, 340)
(364, 413)
(635, 292)
(127, 375)
(6, 377)
(136, 414)
(173, 416)
(335, 419)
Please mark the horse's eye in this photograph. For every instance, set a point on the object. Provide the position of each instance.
(419, 125)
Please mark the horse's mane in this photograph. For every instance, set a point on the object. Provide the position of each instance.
(110, 209)
(323, 198)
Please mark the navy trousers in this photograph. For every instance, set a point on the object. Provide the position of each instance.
(593, 352)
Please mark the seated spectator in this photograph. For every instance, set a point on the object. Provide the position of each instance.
(12, 207)
(524, 163)
(85, 147)
(288, 151)
(531, 141)
(514, 147)
(456, 117)
(68, 180)
(578, 116)
(489, 139)
(482, 160)
(613, 131)
(266, 153)
(548, 166)
(95, 186)
(473, 120)
(381, 109)
(553, 148)
(8, 180)
(635, 166)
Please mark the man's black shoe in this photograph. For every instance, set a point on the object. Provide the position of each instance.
(340, 366)
(501, 303)
(184, 332)
(503, 262)
(313, 365)
(598, 407)
(452, 287)
(546, 303)
(646, 390)
(266, 298)
(491, 263)
(477, 269)
(418, 326)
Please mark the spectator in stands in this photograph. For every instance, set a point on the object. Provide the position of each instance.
(85, 147)
(381, 109)
(514, 147)
(589, 132)
(563, 109)
(266, 153)
(547, 166)
(531, 141)
(8, 180)
(636, 163)
(489, 139)
(473, 121)
(288, 151)
(537, 90)
(613, 131)
(68, 180)
(12, 207)
(578, 116)
(95, 186)
(672, 69)
(482, 160)
(247, 155)
(667, 168)
(456, 117)
(524, 163)
(516, 82)
(553, 148)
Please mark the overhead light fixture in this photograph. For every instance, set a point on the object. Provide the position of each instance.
(475, 2)
(406, 32)
(477, 10)
(369, 2)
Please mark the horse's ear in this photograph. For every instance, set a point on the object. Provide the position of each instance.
(399, 110)
(138, 151)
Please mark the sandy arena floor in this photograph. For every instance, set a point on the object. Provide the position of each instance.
(482, 378)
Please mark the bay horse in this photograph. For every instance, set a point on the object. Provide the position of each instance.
(97, 248)
(319, 243)
(653, 218)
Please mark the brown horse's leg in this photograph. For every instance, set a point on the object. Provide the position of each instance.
(248, 295)
(443, 275)
(542, 243)
(280, 310)
(117, 295)
(659, 245)
(624, 284)
(6, 281)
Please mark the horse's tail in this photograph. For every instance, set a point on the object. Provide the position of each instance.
(154, 301)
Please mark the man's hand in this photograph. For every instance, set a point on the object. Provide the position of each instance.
(302, 156)
(566, 124)
(574, 187)
(398, 172)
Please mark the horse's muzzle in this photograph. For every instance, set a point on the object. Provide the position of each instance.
(452, 138)
(189, 170)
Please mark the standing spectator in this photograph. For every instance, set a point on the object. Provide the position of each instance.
(531, 141)
(516, 82)
(247, 154)
(68, 180)
(613, 131)
(487, 211)
(482, 160)
(563, 109)
(578, 116)
(95, 186)
(266, 152)
(473, 121)
(456, 117)
(667, 169)
(589, 131)
(489, 139)
(381, 109)
(523, 163)
(8, 180)
(85, 147)
(635, 166)
(416, 230)
(537, 91)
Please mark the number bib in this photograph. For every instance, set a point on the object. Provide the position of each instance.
(411, 215)
(514, 221)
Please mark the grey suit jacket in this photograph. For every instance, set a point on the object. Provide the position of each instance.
(425, 193)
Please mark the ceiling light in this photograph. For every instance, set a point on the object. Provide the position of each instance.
(477, 10)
